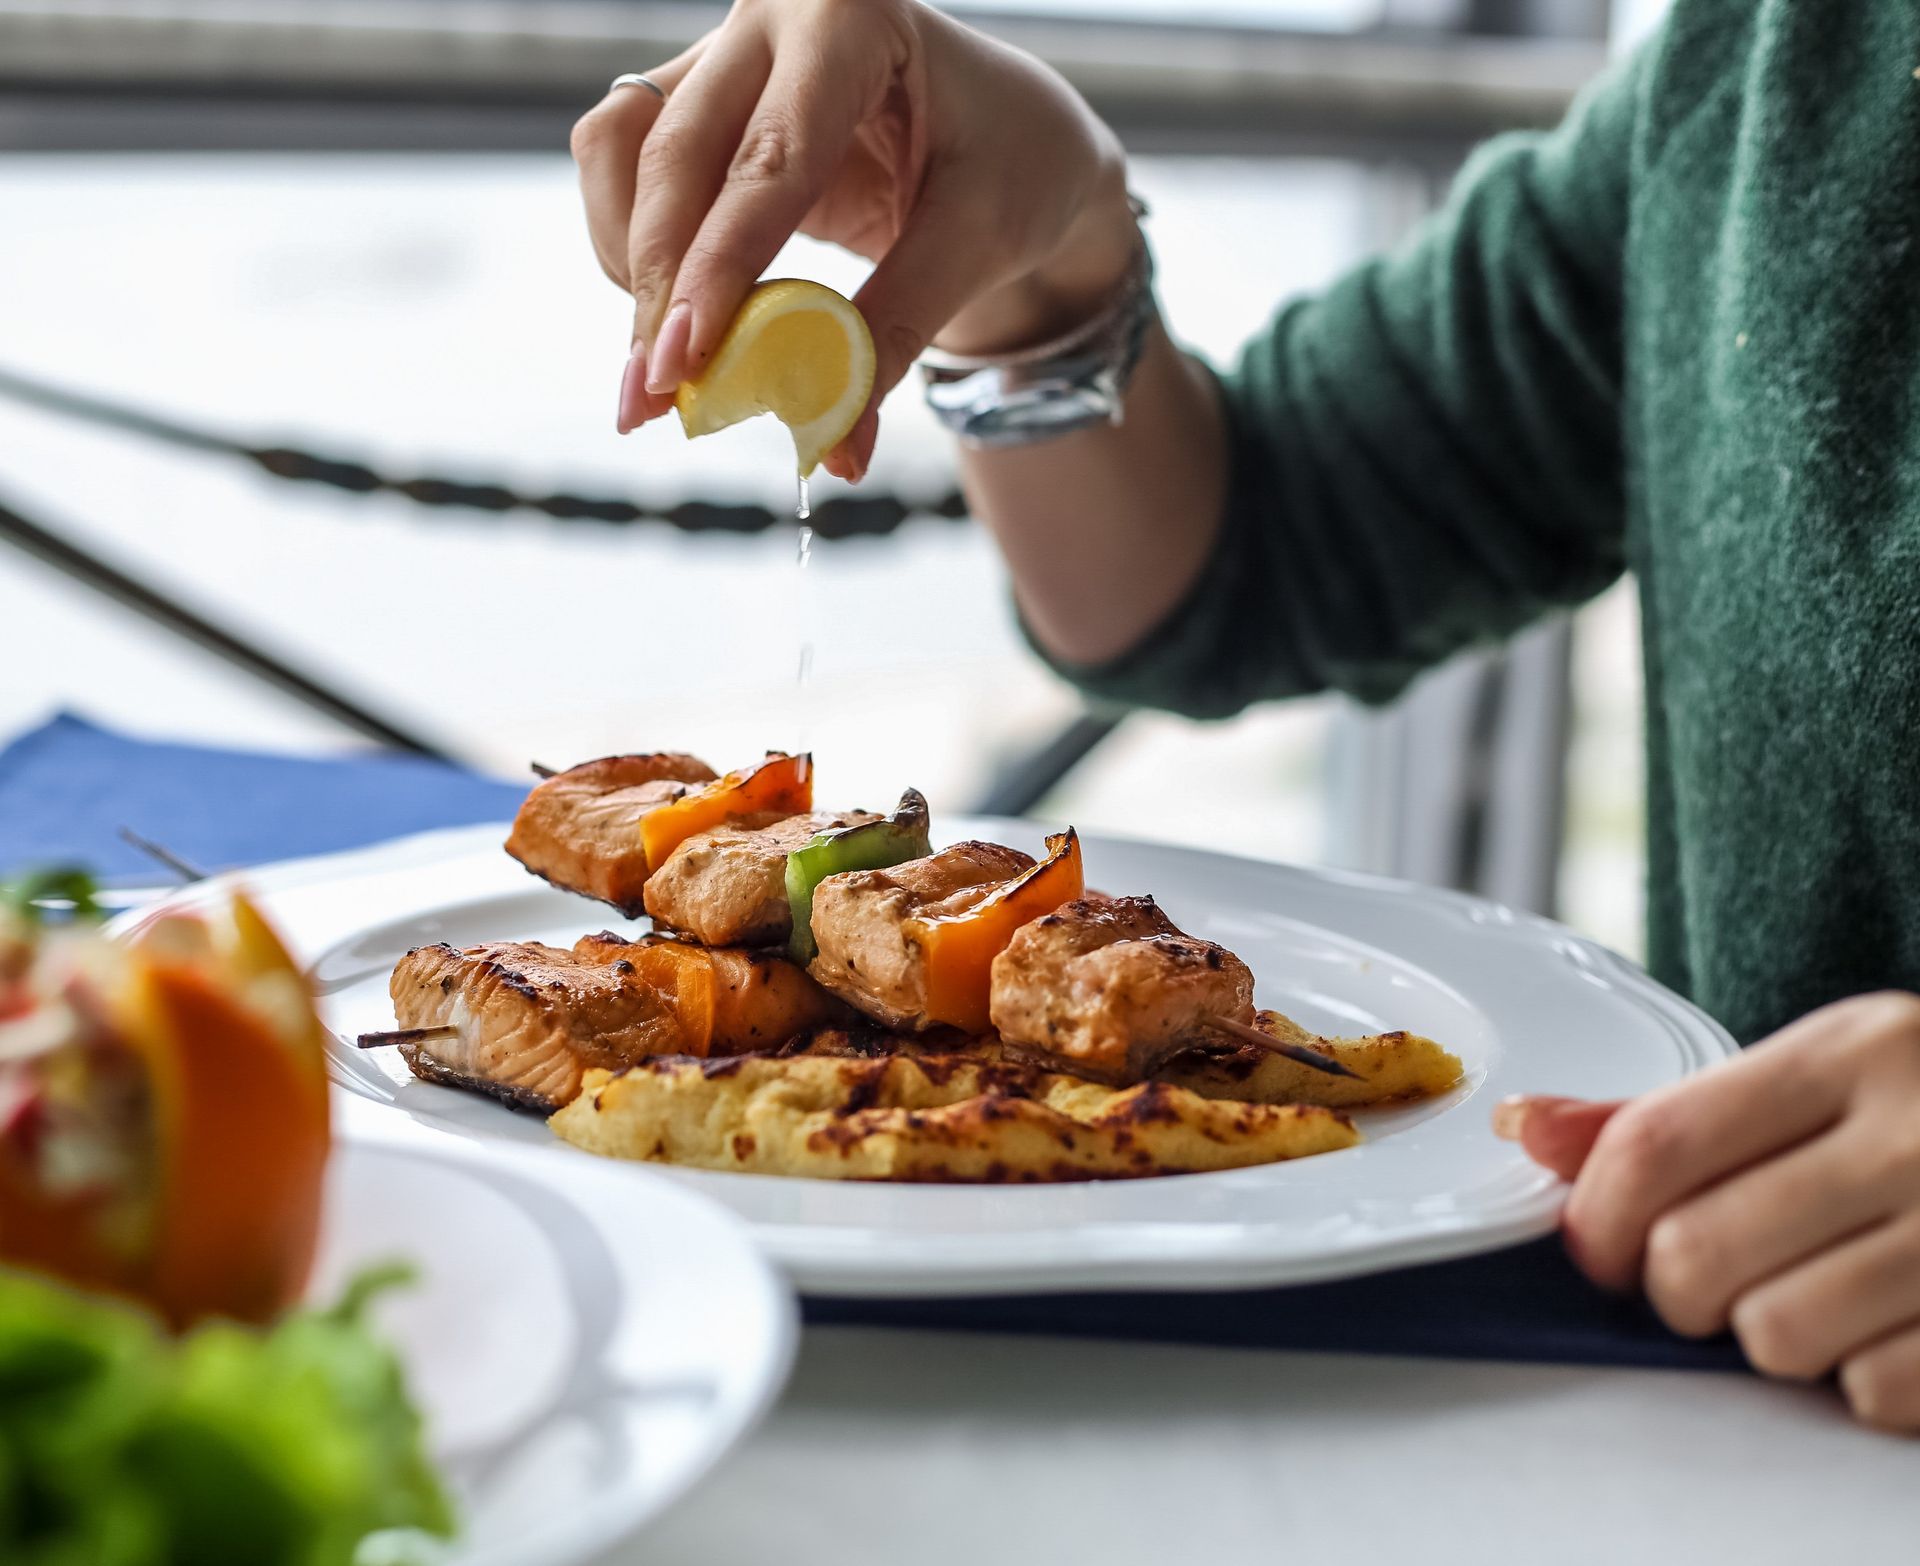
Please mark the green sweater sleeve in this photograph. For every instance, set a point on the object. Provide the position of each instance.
(1427, 455)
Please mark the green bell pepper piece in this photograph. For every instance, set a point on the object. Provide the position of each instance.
(871, 846)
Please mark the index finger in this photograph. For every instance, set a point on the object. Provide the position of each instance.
(794, 142)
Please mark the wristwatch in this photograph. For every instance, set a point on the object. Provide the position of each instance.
(1076, 380)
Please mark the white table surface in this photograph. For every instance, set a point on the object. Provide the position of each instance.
(931, 1447)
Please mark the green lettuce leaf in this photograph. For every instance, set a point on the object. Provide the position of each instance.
(122, 1447)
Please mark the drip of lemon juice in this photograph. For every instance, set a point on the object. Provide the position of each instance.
(804, 557)
(803, 673)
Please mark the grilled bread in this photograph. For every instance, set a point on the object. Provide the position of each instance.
(1395, 1067)
(934, 1118)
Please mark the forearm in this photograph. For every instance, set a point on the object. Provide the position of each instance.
(1106, 530)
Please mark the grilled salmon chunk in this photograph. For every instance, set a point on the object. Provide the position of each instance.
(728, 886)
(864, 922)
(529, 1020)
(580, 829)
(729, 1000)
(1110, 987)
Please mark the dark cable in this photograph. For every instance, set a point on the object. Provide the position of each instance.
(110, 581)
(841, 516)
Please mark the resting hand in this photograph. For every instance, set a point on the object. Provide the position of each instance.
(990, 197)
(1777, 1195)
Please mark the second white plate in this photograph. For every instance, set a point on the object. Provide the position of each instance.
(1526, 1004)
(584, 1346)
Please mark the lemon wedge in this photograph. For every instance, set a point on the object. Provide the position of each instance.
(796, 350)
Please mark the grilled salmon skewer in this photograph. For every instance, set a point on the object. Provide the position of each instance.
(1109, 988)
(606, 828)
(980, 938)
(728, 886)
(875, 930)
(580, 829)
(1112, 989)
(524, 1022)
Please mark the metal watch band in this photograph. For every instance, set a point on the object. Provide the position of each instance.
(1074, 381)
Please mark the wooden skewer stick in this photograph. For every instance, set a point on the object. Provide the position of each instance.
(404, 1036)
(186, 869)
(1298, 1052)
(543, 772)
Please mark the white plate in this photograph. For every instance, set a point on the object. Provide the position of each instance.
(584, 1345)
(1526, 1004)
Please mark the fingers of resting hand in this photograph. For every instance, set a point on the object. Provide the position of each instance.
(1882, 1383)
(1557, 1133)
(1777, 1217)
(681, 168)
(794, 142)
(1665, 1147)
(606, 146)
(1811, 1317)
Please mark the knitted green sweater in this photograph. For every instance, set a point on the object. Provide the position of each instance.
(1679, 335)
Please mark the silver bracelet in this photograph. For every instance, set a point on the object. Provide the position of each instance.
(1076, 380)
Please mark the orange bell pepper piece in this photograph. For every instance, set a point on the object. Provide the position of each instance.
(728, 1001)
(781, 784)
(683, 977)
(960, 948)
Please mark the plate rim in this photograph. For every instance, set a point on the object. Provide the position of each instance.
(1697, 1039)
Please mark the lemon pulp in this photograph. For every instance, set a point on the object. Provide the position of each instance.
(796, 350)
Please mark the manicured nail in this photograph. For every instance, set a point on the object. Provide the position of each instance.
(1547, 1120)
(669, 366)
(1510, 1117)
(633, 392)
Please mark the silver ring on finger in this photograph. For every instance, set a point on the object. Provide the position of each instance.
(635, 79)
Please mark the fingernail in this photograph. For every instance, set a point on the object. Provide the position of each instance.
(669, 366)
(632, 411)
(1510, 1117)
(1513, 1116)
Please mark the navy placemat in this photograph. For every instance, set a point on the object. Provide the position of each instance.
(67, 788)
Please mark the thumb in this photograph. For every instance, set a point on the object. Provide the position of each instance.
(1557, 1133)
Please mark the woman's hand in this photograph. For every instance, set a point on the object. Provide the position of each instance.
(1778, 1194)
(991, 199)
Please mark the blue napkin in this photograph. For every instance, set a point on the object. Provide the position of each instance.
(67, 788)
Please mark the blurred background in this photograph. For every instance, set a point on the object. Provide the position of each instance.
(349, 227)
